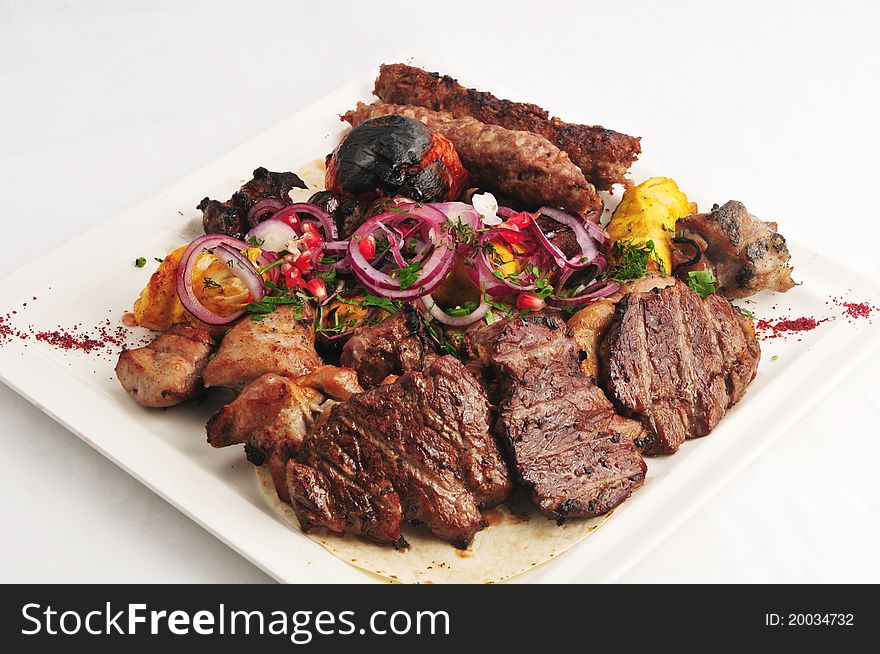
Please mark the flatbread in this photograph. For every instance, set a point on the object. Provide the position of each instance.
(518, 539)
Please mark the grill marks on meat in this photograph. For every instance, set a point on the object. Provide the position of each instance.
(418, 449)
(168, 371)
(746, 255)
(676, 362)
(602, 154)
(576, 455)
(394, 346)
(567, 445)
(230, 217)
(271, 416)
(282, 342)
(524, 165)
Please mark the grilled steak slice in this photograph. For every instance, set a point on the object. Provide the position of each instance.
(502, 353)
(676, 362)
(602, 154)
(417, 449)
(569, 447)
(230, 217)
(270, 416)
(745, 254)
(283, 342)
(394, 346)
(168, 371)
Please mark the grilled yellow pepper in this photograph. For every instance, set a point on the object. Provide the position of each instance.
(648, 212)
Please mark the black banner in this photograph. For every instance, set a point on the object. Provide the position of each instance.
(434, 618)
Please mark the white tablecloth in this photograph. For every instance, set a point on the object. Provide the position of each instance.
(773, 103)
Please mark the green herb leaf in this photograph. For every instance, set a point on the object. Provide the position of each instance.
(632, 260)
(746, 312)
(140, 262)
(253, 241)
(208, 282)
(408, 275)
(702, 282)
(464, 310)
(775, 357)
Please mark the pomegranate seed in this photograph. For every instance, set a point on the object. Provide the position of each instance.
(520, 219)
(368, 247)
(311, 238)
(304, 263)
(529, 302)
(317, 288)
(292, 220)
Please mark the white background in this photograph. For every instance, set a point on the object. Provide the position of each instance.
(772, 103)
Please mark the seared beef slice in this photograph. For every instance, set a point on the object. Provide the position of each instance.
(578, 458)
(676, 362)
(418, 449)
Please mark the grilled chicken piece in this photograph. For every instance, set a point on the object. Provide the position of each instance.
(270, 417)
(168, 371)
(283, 343)
(333, 381)
(746, 255)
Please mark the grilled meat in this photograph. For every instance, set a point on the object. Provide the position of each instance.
(394, 346)
(282, 342)
(417, 449)
(569, 447)
(347, 213)
(566, 444)
(676, 362)
(230, 217)
(590, 323)
(524, 165)
(168, 371)
(338, 383)
(745, 254)
(602, 154)
(271, 416)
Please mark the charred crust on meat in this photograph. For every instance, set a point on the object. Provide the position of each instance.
(254, 455)
(400, 544)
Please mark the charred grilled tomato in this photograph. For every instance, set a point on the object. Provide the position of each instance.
(395, 155)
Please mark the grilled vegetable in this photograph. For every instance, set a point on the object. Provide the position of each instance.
(395, 155)
(648, 212)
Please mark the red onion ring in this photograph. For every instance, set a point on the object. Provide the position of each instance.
(588, 295)
(186, 267)
(274, 234)
(589, 251)
(453, 321)
(433, 271)
(324, 219)
(265, 206)
(481, 274)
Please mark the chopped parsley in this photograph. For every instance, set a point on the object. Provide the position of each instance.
(209, 282)
(140, 262)
(775, 357)
(463, 310)
(271, 302)
(390, 306)
(275, 263)
(632, 260)
(408, 275)
(702, 282)
(253, 241)
(746, 312)
(505, 309)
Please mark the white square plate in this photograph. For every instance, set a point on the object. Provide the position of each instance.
(166, 450)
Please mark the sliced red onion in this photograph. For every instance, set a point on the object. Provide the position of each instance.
(588, 295)
(589, 251)
(333, 248)
(263, 209)
(481, 274)
(433, 270)
(242, 268)
(324, 219)
(184, 277)
(274, 235)
(453, 321)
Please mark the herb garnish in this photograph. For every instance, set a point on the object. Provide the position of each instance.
(209, 282)
(746, 312)
(408, 275)
(632, 260)
(253, 241)
(140, 262)
(702, 282)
